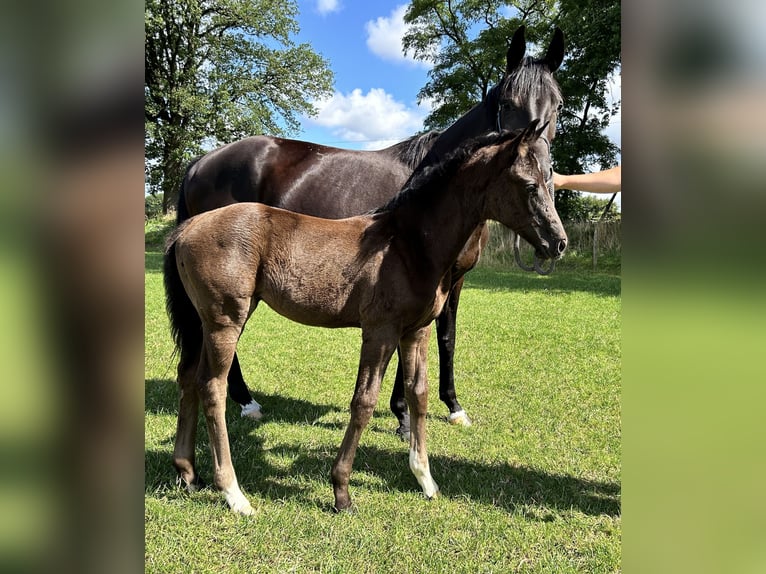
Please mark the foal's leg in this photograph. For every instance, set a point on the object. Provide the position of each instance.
(186, 429)
(445, 331)
(414, 354)
(398, 403)
(377, 349)
(217, 356)
(239, 392)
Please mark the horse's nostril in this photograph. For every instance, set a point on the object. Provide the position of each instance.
(561, 245)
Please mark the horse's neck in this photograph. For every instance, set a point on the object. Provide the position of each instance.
(478, 121)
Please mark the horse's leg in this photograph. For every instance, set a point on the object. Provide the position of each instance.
(376, 352)
(239, 392)
(445, 332)
(398, 403)
(186, 429)
(414, 355)
(217, 356)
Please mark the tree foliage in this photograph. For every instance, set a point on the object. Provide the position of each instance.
(467, 40)
(220, 70)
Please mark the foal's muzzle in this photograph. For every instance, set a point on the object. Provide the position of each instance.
(558, 248)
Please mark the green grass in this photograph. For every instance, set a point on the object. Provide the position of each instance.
(533, 486)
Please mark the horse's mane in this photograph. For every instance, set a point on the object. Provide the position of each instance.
(412, 150)
(428, 178)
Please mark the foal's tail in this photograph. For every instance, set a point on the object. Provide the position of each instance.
(185, 324)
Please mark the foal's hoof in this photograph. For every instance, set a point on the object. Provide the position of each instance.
(403, 433)
(244, 510)
(191, 486)
(434, 496)
(350, 509)
(460, 418)
(252, 410)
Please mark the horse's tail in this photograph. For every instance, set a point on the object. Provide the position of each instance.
(182, 210)
(185, 324)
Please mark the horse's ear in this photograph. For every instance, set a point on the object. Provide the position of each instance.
(516, 50)
(555, 54)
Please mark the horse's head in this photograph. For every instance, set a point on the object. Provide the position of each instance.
(528, 90)
(517, 194)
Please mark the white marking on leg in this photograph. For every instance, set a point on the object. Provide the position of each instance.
(422, 473)
(460, 418)
(236, 500)
(252, 410)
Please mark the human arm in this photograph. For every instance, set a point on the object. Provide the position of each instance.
(606, 181)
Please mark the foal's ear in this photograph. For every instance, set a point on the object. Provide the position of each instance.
(516, 51)
(541, 130)
(555, 54)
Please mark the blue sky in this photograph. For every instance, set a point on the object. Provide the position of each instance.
(376, 86)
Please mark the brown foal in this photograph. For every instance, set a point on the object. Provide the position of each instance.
(388, 273)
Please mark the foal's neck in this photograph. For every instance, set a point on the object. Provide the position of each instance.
(438, 224)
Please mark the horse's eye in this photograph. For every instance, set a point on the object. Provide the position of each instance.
(531, 189)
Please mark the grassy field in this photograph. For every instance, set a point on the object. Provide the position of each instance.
(532, 486)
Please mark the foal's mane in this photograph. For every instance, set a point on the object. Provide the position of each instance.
(428, 179)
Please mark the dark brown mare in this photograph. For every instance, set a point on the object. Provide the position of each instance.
(389, 273)
(334, 183)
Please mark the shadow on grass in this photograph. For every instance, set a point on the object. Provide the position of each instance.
(161, 397)
(540, 495)
(560, 280)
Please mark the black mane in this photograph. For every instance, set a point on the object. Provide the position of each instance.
(428, 178)
(529, 78)
(412, 150)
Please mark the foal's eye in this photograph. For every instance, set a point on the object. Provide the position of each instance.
(531, 188)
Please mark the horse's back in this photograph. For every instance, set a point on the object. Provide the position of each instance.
(299, 176)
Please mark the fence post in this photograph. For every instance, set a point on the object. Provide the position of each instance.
(595, 243)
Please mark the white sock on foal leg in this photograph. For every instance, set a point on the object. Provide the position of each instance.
(422, 473)
(236, 500)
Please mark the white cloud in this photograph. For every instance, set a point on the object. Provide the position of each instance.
(384, 38)
(374, 119)
(327, 6)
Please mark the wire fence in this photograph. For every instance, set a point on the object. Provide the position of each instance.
(588, 240)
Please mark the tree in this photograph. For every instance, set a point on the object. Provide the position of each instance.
(593, 55)
(467, 39)
(217, 71)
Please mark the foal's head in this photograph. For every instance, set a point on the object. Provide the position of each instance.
(517, 195)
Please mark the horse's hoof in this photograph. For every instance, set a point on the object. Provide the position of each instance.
(403, 434)
(252, 410)
(460, 418)
(435, 495)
